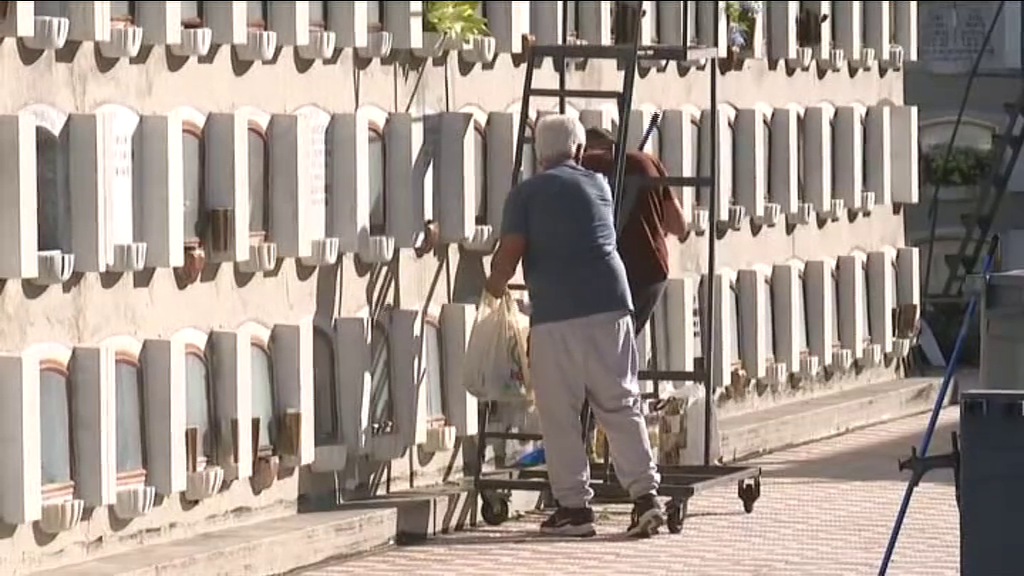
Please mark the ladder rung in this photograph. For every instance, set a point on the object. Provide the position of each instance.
(614, 51)
(575, 93)
(671, 180)
(670, 375)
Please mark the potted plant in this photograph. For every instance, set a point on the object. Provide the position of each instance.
(958, 173)
(742, 18)
(449, 25)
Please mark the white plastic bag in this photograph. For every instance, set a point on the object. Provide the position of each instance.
(496, 367)
(681, 430)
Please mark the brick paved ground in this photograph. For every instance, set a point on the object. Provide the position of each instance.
(826, 509)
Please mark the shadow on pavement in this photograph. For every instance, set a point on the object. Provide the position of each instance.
(877, 462)
(526, 536)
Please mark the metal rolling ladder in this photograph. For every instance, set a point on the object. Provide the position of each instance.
(679, 483)
(1006, 149)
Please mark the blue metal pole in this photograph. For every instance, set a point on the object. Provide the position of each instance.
(937, 408)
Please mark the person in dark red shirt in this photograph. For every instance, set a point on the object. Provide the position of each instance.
(655, 214)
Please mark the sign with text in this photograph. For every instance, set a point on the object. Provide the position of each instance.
(952, 33)
(316, 122)
(119, 127)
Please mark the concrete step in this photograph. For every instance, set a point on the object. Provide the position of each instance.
(749, 434)
(266, 548)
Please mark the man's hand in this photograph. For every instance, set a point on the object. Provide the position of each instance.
(495, 286)
(428, 239)
(504, 263)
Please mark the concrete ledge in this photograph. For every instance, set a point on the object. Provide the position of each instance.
(271, 547)
(428, 512)
(757, 432)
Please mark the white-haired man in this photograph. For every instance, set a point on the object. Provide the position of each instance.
(582, 346)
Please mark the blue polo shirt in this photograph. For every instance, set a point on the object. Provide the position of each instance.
(571, 266)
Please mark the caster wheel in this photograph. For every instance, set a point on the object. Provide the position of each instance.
(676, 515)
(749, 493)
(494, 510)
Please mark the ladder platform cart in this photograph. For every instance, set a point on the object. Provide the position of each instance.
(944, 308)
(678, 483)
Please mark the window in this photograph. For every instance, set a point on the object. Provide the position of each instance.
(381, 409)
(800, 164)
(766, 169)
(122, 12)
(325, 400)
(192, 166)
(52, 8)
(318, 14)
(257, 13)
(865, 305)
(378, 181)
(259, 183)
(433, 361)
(55, 431)
(52, 203)
(735, 325)
(263, 396)
(801, 316)
(837, 316)
(769, 320)
(529, 155)
(480, 171)
(198, 404)
(131, 456)
(192, 14)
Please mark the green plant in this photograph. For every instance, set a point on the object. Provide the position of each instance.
(965, 166)
(455, 18)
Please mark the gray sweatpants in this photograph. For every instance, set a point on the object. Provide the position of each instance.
(592, 358)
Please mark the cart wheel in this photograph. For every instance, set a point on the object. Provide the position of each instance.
(494, 509)
(676, 512)
(749, 492)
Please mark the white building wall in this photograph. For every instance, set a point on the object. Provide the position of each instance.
(320, 236)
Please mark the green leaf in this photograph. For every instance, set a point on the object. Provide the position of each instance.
(456, 18)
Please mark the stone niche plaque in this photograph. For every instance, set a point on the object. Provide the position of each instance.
(951, 33)
(317, 120)
(120, 156)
